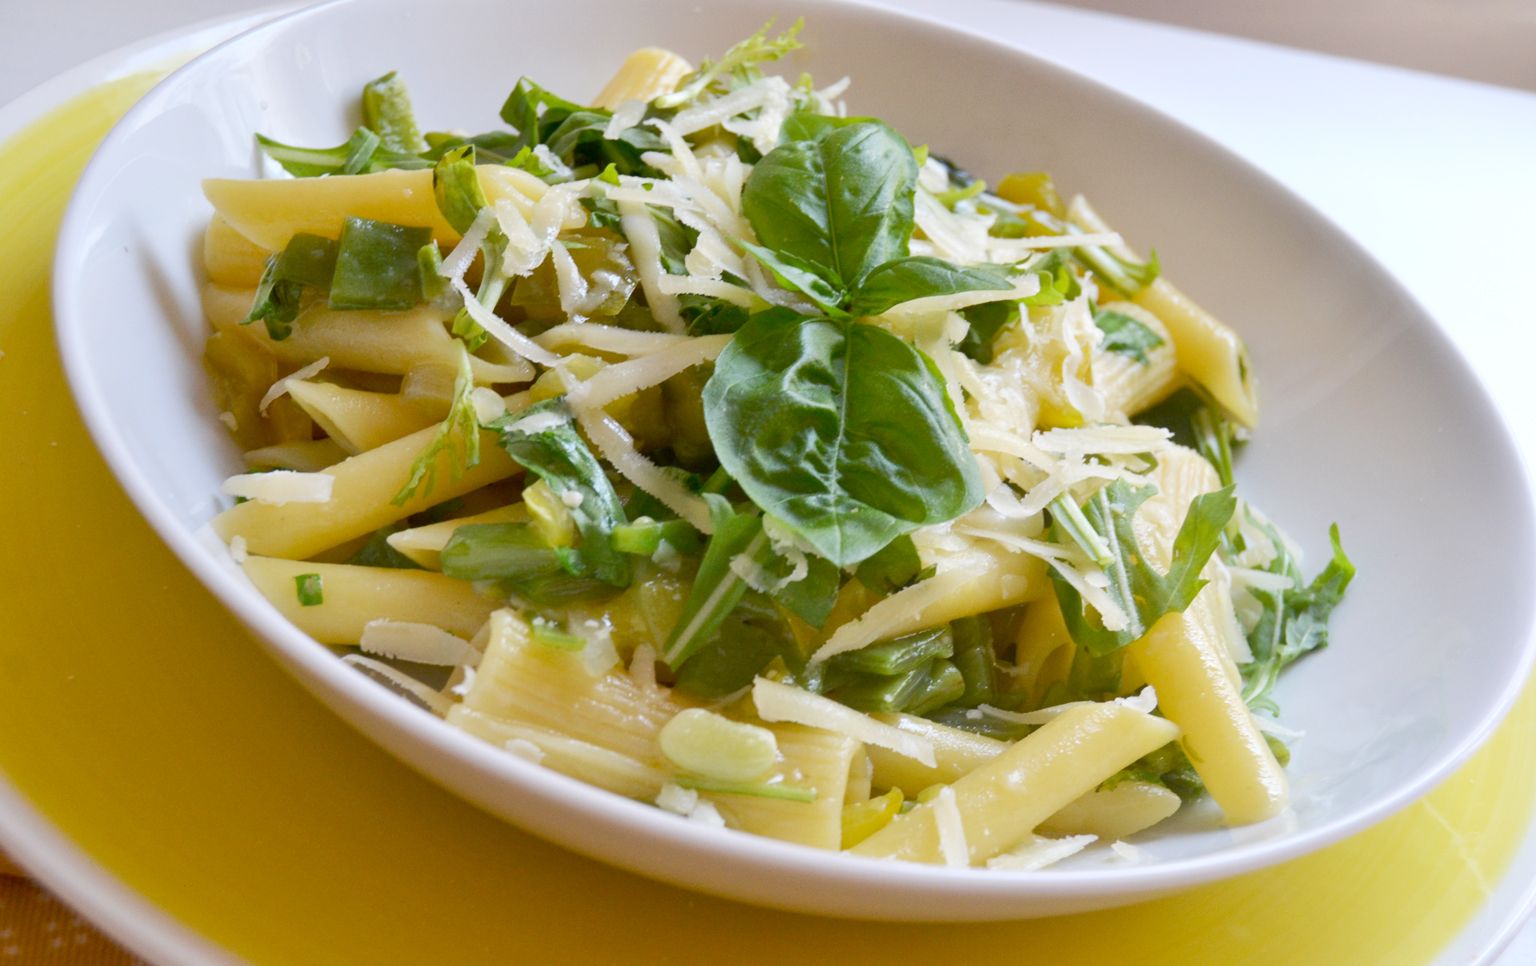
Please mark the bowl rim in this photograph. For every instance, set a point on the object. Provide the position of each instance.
(368, 706)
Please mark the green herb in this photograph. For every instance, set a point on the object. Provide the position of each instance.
(787, 793)
(717, 589)
(805, 277)
(812, 597)
(456, 189)
(377, 265)
(1199, 425)
(711, 316)
(306, 262)
(986, 321)
(738, 65)
(458, 436)
(1293, 622)
(897, 655)
(891, 568)
(378, 553)
(842, 201)
(560, 457)
(750, 637)
(1134, 584)
(576, 134)
(354, 156)
(311, 594)
(1126, 335)
(429, 265)
(904, 279)
(387, 112)
(1068, 517)
(810, 416)
(499, 551)
(644, 539)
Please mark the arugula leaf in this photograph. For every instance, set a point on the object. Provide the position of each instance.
(458, 435)
(456, 189)
(717, 589)
(840, 430)
(812, 597)
(378, 553)
(1294, 622)
(1126, 335)
(1198, 425)
(306, 262)
(915, 277)
(799, 275)
(387, 112)
(351, 157)
(843, 201)
(561, 459)
(747, 640)
(575, 134)
(377, 265)
(739, 63)
(1142, 593)
(499, 551)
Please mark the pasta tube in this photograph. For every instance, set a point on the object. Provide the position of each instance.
(359, 420)
(645, 74)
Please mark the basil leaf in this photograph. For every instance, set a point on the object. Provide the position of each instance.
(895, 566)
(809, 126)
(308, 261)
(905, 279)
(561, 458)
(812, 597)
(376, 265)
(843, 201)
(801, 276)
(1126, 335)
(841, 430)
(387, 112)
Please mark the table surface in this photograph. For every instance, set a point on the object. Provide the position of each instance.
(1388, 134)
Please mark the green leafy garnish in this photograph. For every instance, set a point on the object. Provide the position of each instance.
(456, 188)
(1143, 594)
(1199, 425)
(310, 591)
(739, 65)
(512, 552)
(354, 156)
(378, 553)
(893, 567)
(810, 416)
(717, 589)
(1126, 335)
(905, 279)
(377, 265)
(1293, 622)
(306, 262)
(644, 539)
(560, 457)
(576, 134)
(458, 436)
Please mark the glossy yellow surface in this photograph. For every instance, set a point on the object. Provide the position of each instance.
(152, 730)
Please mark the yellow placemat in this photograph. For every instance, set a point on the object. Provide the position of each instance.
(151, 730)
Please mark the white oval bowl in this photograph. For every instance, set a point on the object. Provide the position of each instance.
(1370, 417)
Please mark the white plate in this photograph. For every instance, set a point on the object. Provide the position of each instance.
(1371, 418)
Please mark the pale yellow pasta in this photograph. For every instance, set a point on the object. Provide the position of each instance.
(1208, 352)
(359, 420)
(1003, 801)
(229, 257)
(270, 212)
(810, 758)
(1185, 659)
(353, 596)
(1130, 385)
(520, 680)
(424, 545)
(1043, 650)
(1114, 813)
(387, 342)
(645, 74)
(956, 753)
(305, 456)
(582, 760)
(362, 498)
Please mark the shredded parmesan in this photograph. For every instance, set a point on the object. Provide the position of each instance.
(645, 251)
(1105, 440)
(421, 643)
(626, 378)
(951, 828)
(605, 338)
(625, 116)
(1038, 852)
(237, 550)
(900, 608)
(280, 387)
(714, 288)
(501, 331)
(432, 699)
(618, 449)
(781, 702)
(1125, 851)
(463, 254)
(281, 487)
(933, 304)
(489, 406)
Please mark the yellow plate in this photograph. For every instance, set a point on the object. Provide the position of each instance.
(146, 726)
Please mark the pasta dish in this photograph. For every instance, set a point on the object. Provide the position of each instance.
(721, 448)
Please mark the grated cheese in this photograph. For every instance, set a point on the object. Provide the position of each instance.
(626, 378)
(420, 643)
(463, 255)
(1037, 853)
(501, 331)
(605, 338)
(281, 487)
(237, 551)
(899, 609)
(1109, 439)
(625, 116)
(489, 406)
(1125, 851)
(617, 447)
(645, 251)
(781, 702)
(712, 287)
(432, 699)
(676, 799)
(951, 828)
(933, 304)
(280, 387)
